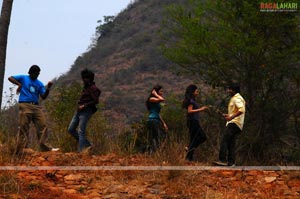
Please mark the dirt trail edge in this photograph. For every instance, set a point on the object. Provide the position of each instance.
(72, 175)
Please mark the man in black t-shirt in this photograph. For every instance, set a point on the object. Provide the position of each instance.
(86, 108)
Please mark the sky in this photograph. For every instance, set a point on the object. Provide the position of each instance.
(52, 34)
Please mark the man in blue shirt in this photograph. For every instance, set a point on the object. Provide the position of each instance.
(30, 89)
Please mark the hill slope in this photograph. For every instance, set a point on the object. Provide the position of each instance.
(128, 62)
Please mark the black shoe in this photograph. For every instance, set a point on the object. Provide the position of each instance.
(189, 159)
(190, 155)
(44, 148)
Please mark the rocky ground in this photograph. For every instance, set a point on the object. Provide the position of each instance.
(102, 183)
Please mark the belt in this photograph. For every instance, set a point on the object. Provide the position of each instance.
(35, 103)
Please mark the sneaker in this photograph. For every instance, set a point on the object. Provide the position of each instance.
(189, 155)
(86, 150)
(189, 158)
(231, 164)
(44, 148)
(220, 163)
(55, 149)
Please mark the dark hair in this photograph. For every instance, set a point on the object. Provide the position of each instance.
(235, 88)
(156, 88)
(86, 73)
(189, 94)
(34, 69)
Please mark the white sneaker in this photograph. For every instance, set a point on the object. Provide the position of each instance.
(55, 149)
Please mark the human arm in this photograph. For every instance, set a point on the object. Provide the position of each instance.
(91, 98)
(191, 110)
(231, 117)
(14, 81)
(156, 97)
(163, 123)
(45, 95)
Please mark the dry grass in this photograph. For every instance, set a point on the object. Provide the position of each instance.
(9, 183)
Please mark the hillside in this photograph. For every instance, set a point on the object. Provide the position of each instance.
(128, 62)
(106, 183)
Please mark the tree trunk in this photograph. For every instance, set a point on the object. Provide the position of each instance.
(4, 26)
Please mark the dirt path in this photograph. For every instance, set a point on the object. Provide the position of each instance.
(104, 180)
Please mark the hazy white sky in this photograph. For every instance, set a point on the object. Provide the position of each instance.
(52, 34)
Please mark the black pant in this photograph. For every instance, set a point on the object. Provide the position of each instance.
(227, 148)
(197, 137)
(156, 135)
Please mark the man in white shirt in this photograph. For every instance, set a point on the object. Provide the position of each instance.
(234, 126)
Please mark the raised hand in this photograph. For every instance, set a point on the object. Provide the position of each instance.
(49, 85)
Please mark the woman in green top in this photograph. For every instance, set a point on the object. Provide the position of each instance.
(155, 122)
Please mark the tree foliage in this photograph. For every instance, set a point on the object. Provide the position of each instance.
(232, 41)
(105, 26)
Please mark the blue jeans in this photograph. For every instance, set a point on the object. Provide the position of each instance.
(80, 120)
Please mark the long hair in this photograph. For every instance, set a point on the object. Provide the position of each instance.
(189, 94)
(156, 88)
